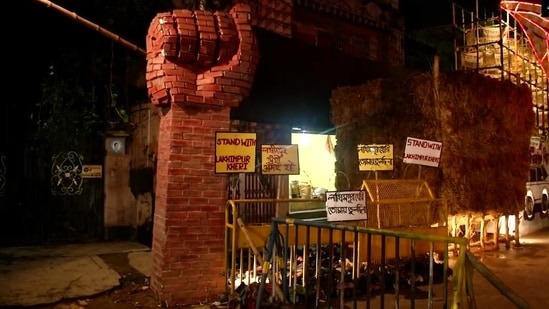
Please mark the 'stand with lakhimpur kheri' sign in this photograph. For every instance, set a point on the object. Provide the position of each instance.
(422, 152)
(375, 157)
(235, 152)
(346, 205)
(279, 160)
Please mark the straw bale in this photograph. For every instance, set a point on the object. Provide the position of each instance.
(484, 125)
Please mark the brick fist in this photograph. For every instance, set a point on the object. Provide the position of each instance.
(201, 57)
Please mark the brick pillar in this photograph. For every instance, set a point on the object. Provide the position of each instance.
(199, 65)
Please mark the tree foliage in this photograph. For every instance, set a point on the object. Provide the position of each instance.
(91, 81)
(69, 113)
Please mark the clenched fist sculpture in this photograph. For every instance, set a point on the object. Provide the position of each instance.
(200, 57)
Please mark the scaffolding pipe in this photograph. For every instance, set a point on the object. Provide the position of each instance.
(501, 46)
(110, 35)
(455, 40)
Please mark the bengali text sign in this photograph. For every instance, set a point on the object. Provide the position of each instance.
(235, 152)
(422, 152)
(375, 157)
(279, 159)
(346, 205)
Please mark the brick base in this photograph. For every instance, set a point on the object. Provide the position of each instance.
(188, 234)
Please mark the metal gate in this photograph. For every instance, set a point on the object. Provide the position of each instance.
(21, 203)
(29, 213)
(75, 209)
(45, 201)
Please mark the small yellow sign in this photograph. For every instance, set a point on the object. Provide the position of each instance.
(279, 160)
(375, 157)
(235, 152)
(92, 171)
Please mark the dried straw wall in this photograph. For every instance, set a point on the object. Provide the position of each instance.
(484, 125)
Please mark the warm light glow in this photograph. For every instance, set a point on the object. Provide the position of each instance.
(302, 139)
(316, 162)
(528, 16)
(512, 224)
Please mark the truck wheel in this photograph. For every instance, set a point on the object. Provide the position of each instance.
(544, 204)
(529, 209)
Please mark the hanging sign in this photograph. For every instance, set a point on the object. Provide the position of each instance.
(346, 205)
(279, 160)
(375, 157)
(235, 152)
(422, 152)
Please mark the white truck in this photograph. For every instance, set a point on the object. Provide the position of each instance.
(537, 192)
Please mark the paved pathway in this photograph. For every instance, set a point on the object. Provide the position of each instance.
(41, 275)
(525, 270)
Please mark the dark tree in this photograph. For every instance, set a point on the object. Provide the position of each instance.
(89, 80)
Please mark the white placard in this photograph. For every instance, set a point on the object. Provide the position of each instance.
(422, 152)
(346, 205)
(535, 141)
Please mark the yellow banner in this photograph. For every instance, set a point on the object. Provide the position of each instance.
(235, 152)
(375, 157)
(279, 160)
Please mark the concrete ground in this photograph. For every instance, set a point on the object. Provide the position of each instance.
(524, 269)
(43, 275)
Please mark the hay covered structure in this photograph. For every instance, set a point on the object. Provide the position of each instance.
(484, 125)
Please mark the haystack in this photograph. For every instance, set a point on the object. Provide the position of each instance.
(484, 125)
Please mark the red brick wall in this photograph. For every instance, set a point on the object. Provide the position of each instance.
(372, 30)
(351, 39)
(199, 64)
(273, 15)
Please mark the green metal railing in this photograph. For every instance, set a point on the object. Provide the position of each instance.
(284, 234)
(473, 263)
(257, 252)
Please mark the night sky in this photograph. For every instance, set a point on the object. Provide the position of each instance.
(38, 30)
(40, 34)
(295, 91)
(429, 13)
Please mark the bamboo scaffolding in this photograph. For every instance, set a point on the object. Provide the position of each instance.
(110, 35)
